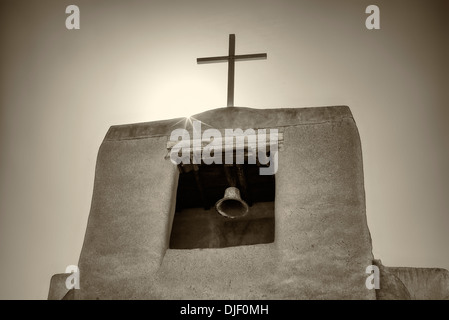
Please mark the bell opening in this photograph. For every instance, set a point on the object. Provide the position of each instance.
(232, 208)
(212, 214)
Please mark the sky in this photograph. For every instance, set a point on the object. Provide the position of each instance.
(135, 61)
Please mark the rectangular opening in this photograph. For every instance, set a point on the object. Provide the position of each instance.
(197, 223)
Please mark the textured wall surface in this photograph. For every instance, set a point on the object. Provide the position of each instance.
(321, 229)
(129, 224)
(322, 242)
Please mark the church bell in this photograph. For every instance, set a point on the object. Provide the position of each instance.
(232, 205)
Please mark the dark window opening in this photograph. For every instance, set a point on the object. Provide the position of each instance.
(197, 223)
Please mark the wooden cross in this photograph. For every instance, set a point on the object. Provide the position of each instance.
(231, 58)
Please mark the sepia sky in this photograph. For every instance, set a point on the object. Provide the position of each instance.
(135, 61)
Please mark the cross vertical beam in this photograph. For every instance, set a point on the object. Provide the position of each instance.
(231, 70)
(231, 58)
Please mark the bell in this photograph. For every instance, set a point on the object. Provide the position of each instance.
(231, 205)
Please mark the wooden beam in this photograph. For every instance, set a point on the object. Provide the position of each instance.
(231, 70)
(236, 144)
(240, 57)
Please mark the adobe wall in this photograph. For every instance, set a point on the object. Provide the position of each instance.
(322, 243)
(130, 218)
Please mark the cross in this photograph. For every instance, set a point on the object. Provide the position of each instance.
(231, 58)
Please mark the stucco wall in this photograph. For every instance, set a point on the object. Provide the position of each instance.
(322, 242)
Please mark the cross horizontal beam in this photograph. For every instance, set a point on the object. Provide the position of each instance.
(241, 57)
